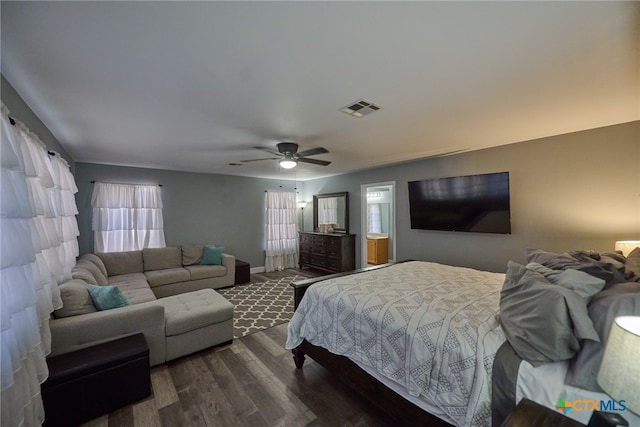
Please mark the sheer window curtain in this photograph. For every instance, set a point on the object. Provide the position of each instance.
(328, 211)
(38, 249)
(281, 231)
(127, 217)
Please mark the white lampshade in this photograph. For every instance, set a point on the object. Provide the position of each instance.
(288, 163)
(302, 204)
(619, 374)
(626, 246)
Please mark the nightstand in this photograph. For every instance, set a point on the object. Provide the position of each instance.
(531, 414)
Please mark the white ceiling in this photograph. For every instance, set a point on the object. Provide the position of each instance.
(193, 86)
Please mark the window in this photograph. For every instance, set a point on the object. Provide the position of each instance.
(127, 217)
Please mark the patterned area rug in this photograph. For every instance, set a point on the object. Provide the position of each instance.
(260, 305)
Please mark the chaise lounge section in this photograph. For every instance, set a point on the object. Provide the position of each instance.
(171, 299)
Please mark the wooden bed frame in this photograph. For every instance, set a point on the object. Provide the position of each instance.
(400, 409)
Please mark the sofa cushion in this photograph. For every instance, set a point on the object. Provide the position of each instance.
(212, 255)
(191, 254)
(206, 271)
(122, 262)
(114, 280)
(136, 291)
(107, 297)
(75, 299)
(97, 261)
(101, 279)
(161, 258)
(194, 310)
(167, 276)
(81, 273)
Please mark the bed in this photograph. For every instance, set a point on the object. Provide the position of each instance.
(420, 339)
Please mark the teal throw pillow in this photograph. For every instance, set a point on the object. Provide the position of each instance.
(107, 297)
(212, 255)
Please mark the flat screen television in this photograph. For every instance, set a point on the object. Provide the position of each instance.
(474, 203)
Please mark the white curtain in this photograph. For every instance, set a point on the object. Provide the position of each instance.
(39, 247)
(328, 210)
(281, 231)
(127, 217)
(375, 220)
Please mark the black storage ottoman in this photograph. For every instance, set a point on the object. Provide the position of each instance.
(94, 381)
(243, 272)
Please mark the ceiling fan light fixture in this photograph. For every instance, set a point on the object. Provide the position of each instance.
(288, 163)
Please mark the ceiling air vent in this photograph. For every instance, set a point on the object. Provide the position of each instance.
(360, 108)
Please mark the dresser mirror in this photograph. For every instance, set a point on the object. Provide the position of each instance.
(331, 213)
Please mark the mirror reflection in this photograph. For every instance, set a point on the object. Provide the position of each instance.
(330, 213)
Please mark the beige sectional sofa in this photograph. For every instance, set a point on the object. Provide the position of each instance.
(171, 297)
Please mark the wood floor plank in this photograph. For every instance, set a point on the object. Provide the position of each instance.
(164, 391)
(122, 417)
(145, 413)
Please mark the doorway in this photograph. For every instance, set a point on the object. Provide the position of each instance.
(378, 222)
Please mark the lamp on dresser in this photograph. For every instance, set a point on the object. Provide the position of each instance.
(619, 374)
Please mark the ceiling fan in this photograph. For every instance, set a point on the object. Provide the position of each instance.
(289, 156)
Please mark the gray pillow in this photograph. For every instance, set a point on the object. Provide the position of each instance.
(75, 299)
(579, 282)
(632, 263)
(543, 322)
(192, 254)
(576, 260)
(622, 299)
(122, 262)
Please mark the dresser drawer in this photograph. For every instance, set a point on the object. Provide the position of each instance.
(318, 240)
(334, 252)
(320, 261)
(305, 239)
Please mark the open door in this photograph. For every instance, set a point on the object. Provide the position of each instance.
(378, 219)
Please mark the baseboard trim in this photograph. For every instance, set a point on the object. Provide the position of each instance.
(255, 270)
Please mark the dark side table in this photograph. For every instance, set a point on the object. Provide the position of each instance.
(243, 272)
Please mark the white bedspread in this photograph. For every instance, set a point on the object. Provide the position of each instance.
(430, 327)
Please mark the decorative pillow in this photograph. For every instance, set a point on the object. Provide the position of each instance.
(192, 254)
(75, 299)
(579, 282)
(212, 255)
(543, 322)
(622, 299)
(107, 297)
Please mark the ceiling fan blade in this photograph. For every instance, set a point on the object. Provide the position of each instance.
(268, 150)
(314, 161)
(312, 152)
(258, 160)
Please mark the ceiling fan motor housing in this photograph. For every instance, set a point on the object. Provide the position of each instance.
(288, 148)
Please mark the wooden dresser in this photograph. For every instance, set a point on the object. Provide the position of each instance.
(330, 252)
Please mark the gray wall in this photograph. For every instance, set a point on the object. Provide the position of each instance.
(20, 111)
(222, 210)
(573, 191)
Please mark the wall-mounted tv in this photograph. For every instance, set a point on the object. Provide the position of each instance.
(474, 203)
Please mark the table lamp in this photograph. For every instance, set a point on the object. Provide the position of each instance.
(626, 246)
(619, 374)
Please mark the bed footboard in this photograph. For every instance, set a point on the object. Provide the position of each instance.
(401, 410)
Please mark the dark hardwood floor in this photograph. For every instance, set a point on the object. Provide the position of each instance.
(251, 382)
